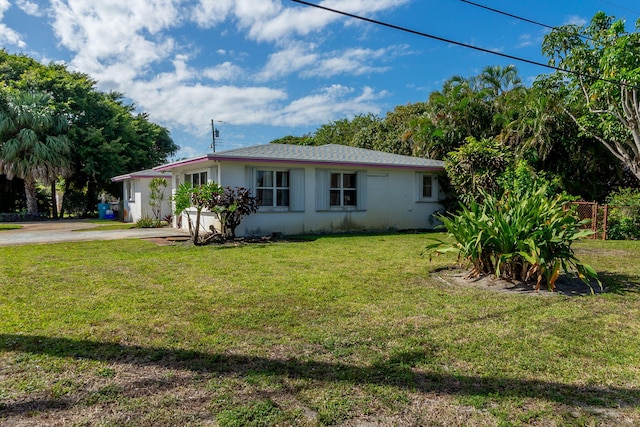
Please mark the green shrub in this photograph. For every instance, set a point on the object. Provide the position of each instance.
(474, 167)
(624, 214)
(147, 222)
(522, 235)
(521, 176)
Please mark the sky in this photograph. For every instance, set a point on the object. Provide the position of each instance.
(265, 69)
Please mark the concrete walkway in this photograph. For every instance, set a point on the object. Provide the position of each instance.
(63, 231)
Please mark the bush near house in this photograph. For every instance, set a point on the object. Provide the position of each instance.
(520, 236)
(624, 214)
(229, 205)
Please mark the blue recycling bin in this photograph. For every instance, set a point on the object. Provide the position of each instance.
(102, 210)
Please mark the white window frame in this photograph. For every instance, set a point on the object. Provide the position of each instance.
(420, 197)
(274, 188)
(323, 191)
(341, 190)
(188, 177)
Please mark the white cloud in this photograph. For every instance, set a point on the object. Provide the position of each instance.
(352, 61)
(210, 13)
(9, 36)
(104, 33)
(224, 71)
(575, 20)
(525, 40)
(269, 20)
(296, 57)
(28, 7)
(126, 46)
(303, 59)
(328, 104)
(172, 99)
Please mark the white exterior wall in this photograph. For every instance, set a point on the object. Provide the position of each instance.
(136, 205)
(391, 201)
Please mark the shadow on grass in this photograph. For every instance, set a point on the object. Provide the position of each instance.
(619, 283)
(399, 372)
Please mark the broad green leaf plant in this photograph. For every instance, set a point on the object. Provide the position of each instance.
(521, 236)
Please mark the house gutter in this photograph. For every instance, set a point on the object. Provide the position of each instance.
(213, 157)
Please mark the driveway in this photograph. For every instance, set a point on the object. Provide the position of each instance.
(64, 231)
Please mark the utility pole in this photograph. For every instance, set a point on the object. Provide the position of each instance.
(215, 133)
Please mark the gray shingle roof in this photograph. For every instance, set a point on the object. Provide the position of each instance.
(148, 173)
(330, 153)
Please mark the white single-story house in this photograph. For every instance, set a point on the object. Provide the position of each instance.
(317, 189)
(135, 194)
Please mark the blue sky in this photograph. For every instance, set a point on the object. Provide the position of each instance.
(270, 68)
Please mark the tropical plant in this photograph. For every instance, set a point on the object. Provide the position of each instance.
(520, 236)
(33, 144)
(146, 221)
(230, 206)
(187, 196)
(156, 197)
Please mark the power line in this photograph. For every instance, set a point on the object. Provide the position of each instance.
(531, 21)
(509, 15)
(457, 43)
(620, 7)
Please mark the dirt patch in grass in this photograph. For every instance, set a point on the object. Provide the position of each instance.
(565, 285)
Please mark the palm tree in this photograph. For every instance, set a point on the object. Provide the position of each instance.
(33, 144)
(499, 80)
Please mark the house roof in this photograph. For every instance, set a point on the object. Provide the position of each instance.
(334, 154)
(147, 173)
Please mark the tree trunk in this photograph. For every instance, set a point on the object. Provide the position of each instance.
(54, 200)
(67, 184)
(30, 192)
(196, 231)
(91, 205)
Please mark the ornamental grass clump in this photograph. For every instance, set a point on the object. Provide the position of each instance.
(521, 236)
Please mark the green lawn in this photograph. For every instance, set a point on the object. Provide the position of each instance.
(107, 224)
(9, 227)
(326, 331)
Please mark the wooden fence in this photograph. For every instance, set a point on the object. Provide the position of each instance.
(598, 214)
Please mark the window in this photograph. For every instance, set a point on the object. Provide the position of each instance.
(196, 179)
(427, 188)
(272, 188)
(343, 189)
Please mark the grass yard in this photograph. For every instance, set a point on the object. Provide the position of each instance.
(343, 330)
(9, 227)
(107, 224)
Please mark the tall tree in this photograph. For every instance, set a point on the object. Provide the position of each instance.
(33, 141)
(342, 131)
(603, 90)
(499, 80)
(108, 138)
(459, 110)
